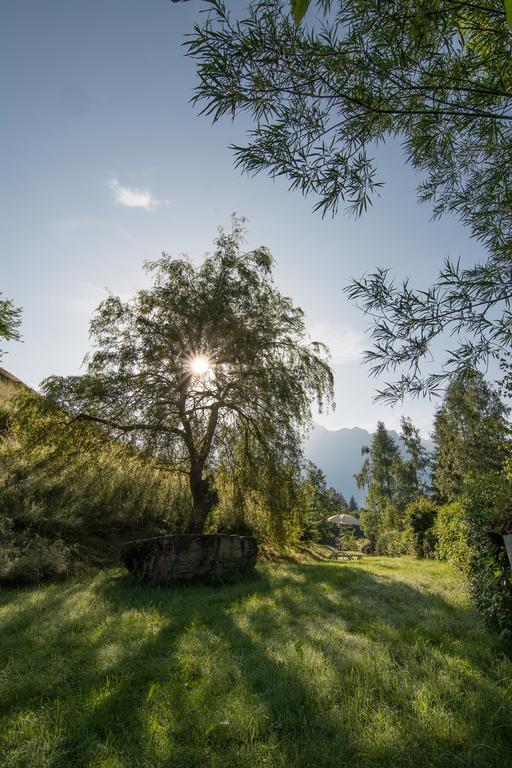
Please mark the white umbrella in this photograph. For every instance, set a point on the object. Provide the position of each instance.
(343, 520)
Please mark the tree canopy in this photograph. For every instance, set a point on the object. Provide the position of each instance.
(470, 431)
(209, 361)
(393, 481)
(10, 320)
(322, 96)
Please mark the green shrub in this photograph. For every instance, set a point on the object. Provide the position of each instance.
(465, 538)
(29, 558)
(392, 543)
(419, 518)
(452, 534)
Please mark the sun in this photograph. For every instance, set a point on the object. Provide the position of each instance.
(200, 365)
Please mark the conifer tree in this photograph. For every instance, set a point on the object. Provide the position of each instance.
(470, 430)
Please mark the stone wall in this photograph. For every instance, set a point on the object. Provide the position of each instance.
(167, 559)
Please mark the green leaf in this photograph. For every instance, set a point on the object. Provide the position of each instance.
(508, 11)
(299, 8)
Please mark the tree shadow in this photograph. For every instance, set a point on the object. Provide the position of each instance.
(274, 667)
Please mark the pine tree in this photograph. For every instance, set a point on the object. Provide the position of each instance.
(470, 431)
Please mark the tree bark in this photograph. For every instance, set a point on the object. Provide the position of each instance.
(204, 498)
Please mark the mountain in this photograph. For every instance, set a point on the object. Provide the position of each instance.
(338, 454)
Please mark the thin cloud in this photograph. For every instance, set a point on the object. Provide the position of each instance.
(346, 344)
(130, 197)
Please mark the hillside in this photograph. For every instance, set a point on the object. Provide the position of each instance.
(338, 454)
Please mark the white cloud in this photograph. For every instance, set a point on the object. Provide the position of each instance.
(346, 344)
(130, 197)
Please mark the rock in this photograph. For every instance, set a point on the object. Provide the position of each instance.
(166, 559)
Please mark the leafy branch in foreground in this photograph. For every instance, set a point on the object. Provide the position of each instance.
(472, 305)
(322, 96)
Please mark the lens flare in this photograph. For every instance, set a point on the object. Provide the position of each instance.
(200, 365)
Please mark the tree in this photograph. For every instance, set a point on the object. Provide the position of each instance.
(206, 359)
(433, 74)
(378, 475)
(411, 471)
(470, 432)
(10, 319)
(377, 470)
(352, 505)
(324, 502)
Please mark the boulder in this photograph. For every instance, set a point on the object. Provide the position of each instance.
(167, 559)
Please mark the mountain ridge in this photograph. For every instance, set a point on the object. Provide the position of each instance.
(337, 452)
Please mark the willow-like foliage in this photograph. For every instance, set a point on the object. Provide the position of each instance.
(322, 95)
(261, 375)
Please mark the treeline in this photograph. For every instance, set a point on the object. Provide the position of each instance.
(454, 504)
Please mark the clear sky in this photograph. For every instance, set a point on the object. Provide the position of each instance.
(104, 163)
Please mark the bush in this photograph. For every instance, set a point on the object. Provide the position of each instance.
(392, 543)
(465, 538)
(452, 534)
(29, 558)
(419, 518)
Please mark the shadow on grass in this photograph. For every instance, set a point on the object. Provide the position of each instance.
(311, 665)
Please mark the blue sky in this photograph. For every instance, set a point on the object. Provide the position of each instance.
(104, 163)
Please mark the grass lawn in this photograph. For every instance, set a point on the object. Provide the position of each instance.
(377, 663)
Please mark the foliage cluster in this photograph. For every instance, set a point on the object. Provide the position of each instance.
(419, 518)
(394, 482)
(322, 96)
(392, 543)
(68, 496)
(465, 537)
(10, 320)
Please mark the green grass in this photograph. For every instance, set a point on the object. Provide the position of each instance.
(380, 663)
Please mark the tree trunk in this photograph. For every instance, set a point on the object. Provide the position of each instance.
(204, 498)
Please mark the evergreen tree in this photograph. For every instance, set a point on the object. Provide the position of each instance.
(378, 475)
(352, 505)
(470, 431)
(411, 476)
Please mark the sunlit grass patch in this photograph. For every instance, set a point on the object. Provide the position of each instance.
(381, 663)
